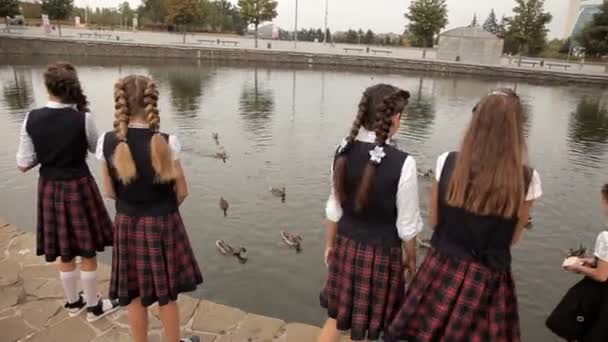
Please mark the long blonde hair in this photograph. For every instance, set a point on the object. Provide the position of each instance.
(488, 177)
(138, 95)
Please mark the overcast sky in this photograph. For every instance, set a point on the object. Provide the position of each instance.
(384, 15)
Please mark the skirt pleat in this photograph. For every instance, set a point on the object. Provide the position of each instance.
(364, 287)
(72, 219)
(456, 300)
(152, 260)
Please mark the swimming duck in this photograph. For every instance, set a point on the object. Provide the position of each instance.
(581, 252)
(225, 249)
(423, 243)
(426, 174)
(221, 155)
(291, 240)
(224, 205)
(279, 192)
(216, 137)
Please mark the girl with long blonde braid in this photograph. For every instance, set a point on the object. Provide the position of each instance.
(152, 260)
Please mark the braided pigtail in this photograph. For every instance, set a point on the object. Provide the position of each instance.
(392, 105)
(340, 163)
(122, 159)
(161, 155)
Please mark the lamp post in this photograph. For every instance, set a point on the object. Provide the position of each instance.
(326, 11)
(295, 32)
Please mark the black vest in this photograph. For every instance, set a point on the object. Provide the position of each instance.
(462, 234)
(60, 142)
(376, 223)
(143, 196)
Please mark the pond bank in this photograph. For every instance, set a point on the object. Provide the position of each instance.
(75, 47)
(31, 300)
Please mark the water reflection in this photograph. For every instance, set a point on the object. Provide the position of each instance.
(256, 105)
(187, 86)
(17, 92)
(420, 113)
(588, 129)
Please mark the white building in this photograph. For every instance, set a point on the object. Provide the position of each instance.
(471, 44)
(580, 13)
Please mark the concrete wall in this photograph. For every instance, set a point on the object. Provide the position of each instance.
(470, 49)
(60, 47)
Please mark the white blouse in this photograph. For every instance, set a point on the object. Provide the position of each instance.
(535, 190)
(601, 246)
(26, 155)
(174, 143)
(409, 221)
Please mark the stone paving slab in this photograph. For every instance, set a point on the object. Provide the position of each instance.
(31, 307)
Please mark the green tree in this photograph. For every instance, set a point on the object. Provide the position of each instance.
(182, 13)
(126, 13)
(328, 36)
(528, 28)
(154, 10)
(258, 11)
(351, 37)
(8, 8)
(369, 37)
(594, 37)
(58, 10)
(491, 24)
(474, 21)
(427, 18)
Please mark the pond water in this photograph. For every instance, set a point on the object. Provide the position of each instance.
(280, 127)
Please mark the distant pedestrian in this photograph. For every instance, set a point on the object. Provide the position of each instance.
(152, 260)
(72, 219)
(372, 209)
(480, 203)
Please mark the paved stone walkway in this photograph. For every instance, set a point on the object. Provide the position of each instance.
(31, 300)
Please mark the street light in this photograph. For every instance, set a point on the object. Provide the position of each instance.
(295, 33)
(326, 11)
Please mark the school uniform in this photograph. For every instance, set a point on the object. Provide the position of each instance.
(152, 257)
(365, 283)
(464, 290)
(71, 217)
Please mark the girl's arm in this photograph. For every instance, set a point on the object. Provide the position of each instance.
(409, 220)
(524, 215)
(107, 181)
(26, 156)
(434, 205)
(181, 186)
(599, 274)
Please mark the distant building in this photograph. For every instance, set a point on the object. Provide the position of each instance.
(580, 13)
(270, 31)
(470, 44)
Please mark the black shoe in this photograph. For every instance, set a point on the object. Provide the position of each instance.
(76, 308)
(190, 339)
(103, 308)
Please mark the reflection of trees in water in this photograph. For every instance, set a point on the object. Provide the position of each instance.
(17, 92)
(256, 106)
(187, 86)
(588, 128)
(420, 113)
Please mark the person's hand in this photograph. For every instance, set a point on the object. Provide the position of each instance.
(576, 268)
(328, 251)
(410, 271)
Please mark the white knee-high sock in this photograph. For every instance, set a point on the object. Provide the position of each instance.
(69, 280)
(89, 286)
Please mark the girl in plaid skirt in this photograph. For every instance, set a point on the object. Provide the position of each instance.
(372, 209)
(72, 219)
(480, 204)
(152, 260)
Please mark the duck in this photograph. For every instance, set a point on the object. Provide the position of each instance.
(294, 241)
(529, 225)
(423, 243)
(279, 192)
(216, 137)
(221, 155)
(225, 249)
(426, 174)
(224, 205)
(581, 252)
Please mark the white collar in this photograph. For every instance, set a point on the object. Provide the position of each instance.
(368, 136)
(138, 125)
(59, 105)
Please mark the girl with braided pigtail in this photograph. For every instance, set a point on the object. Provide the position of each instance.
(372, 209)
(152, 260)
(72, 218)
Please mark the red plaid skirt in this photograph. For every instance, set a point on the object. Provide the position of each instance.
(458, 301)
(72, 219)
(364, 288)
(152, 259)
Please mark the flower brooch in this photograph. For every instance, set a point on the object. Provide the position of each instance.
(376, 155)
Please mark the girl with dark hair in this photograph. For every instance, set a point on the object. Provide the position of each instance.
(72, 218)
(480, 203)
(152, 260)
(372, 209)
